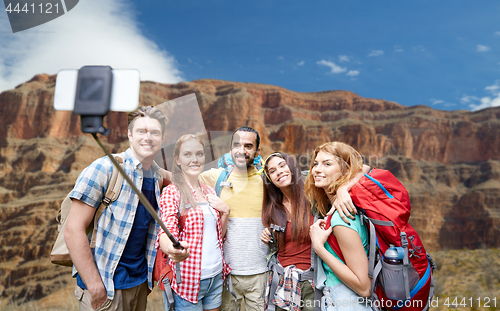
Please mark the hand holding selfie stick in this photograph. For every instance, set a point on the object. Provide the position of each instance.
(93, 91)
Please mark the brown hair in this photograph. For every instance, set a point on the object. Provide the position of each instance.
(249, 130)
(350, 162)
(147, 111)
(273, 210)
(178, 175)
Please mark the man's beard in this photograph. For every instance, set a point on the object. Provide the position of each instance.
(249, 161)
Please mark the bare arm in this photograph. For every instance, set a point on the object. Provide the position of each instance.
(343, 202)
(354, 273)
(80, 216)
(224, 218)
(167, 177)
(169, 207)
(223, 209)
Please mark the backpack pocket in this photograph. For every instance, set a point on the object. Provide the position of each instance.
(392, 280)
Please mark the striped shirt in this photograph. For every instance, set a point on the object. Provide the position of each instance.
(115, 224)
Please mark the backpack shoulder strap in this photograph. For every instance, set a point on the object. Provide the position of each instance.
(178, 276)
(221, 181)
(313, 253)
(332, 240)
(318, 271)
(112, 192)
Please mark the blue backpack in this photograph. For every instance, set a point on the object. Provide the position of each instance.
(226, 160)
(226, 163)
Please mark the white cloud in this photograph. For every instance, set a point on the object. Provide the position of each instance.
(352, 73)
(376, 53)
(494, 89)
(93, 33)
(485, 102)
(467, 99)
(398, 49)
(343, 58)
(334, 67)
(301, 63)
(419, 48)
(281, 58)
(436, 101)
(482, 48)
(497, 33)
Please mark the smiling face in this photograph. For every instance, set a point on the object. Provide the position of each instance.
(191, 158)
(145, 139)
(325, 170)
(244, 150)
(279, 172)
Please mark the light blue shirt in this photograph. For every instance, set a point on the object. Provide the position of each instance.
(116, 222)
(356, 225)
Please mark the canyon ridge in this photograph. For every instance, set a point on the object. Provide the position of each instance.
(448, 160)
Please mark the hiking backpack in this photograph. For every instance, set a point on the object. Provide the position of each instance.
(227, 161)
(60, 253)
(384, 207)
(162, 272)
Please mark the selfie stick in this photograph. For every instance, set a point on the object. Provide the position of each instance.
(139, 193)
(92, 103)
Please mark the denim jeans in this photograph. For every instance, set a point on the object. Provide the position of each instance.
(209, 296)
(342, 298)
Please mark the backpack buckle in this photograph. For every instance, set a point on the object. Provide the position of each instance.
(277, 228)
(106, 201)
(404, 240)
(226, 184)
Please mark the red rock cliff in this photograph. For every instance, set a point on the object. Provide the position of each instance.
(448, 160)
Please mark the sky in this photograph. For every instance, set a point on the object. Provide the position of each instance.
(443, 54)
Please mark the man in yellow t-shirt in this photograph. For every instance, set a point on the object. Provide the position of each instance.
(243, 250)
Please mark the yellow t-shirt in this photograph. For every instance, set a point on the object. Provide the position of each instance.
(243, 250)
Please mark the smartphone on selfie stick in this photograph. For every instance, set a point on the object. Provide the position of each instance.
(93, 91)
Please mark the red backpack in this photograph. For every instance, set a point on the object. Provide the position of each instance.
(384, 206)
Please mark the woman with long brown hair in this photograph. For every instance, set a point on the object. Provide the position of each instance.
(285, 206)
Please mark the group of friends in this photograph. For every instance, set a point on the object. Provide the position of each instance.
(225, 240)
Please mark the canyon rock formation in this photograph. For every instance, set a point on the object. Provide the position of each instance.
(448, 160)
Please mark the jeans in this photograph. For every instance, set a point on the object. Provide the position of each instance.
(342, 298)
(209, 296)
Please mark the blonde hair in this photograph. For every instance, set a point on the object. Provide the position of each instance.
(350, 162)
(178, 175)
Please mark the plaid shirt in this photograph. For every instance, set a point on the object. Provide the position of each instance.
(288, 293)
(193, 234)
(118, 218)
